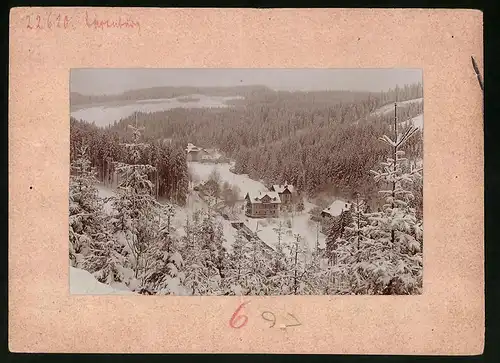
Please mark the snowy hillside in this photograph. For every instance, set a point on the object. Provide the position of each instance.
(417, 121)
(201, 172)
(390, 107)
(82, 282)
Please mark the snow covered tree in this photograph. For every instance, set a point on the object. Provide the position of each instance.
(298, 265)
(230, 194)
(299, 203)
(238, 266)
(85, 206)
(279, 232)
(181, 174)
(93, 247)
(164, 274)
(212, 237)
(143, 223)
(354, 232)
(205, 255)
(279, 281)
(336, 231)
(314, 279)
(104, 259)
(260, 269)
(161, 263)
(134, 201)
(388, 259)
(348, 251)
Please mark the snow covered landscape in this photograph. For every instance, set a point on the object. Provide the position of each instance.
(104, 115)
(188, 195)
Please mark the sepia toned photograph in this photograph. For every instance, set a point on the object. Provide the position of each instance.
(213, 182)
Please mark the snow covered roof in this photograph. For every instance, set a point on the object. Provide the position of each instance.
(280, 188)
(256, 197)
(336, 208)
(194, 148)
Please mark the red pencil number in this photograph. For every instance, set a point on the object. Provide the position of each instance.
(233, 323)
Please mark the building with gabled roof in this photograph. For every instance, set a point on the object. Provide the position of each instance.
(195, 153)
(262, 204)
(285, 191)
(335, 209)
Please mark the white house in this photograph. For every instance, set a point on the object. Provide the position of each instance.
(262, 204)
(335, 209)
(195, 153)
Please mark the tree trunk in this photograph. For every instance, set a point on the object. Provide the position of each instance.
(295, 272)
(394, 163)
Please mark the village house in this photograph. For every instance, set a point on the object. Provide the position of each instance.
(262, 204)
(285, 192)
(335, 209)
(195, 153)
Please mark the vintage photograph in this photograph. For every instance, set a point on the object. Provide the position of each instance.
(220, 182)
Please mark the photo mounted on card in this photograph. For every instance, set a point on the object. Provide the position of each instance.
(246, 181)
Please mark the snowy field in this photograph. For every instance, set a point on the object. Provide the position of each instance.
(105, 115)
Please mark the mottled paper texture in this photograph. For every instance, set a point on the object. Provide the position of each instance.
(45, 43)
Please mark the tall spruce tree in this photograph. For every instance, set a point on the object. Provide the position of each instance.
(85, 207)
(389, 257)
(142, 220)
(336, 230)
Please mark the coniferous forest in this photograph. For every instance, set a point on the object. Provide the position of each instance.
(146, 219)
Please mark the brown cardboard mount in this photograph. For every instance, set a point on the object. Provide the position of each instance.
(45, 43)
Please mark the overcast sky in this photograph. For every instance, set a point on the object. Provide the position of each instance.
(107, 81)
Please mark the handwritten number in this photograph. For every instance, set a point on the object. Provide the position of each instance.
(66, 21)
(29, 22)
(273, 319)
(239, 320)
(235, 318)
(297, 320)
(50, 21)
